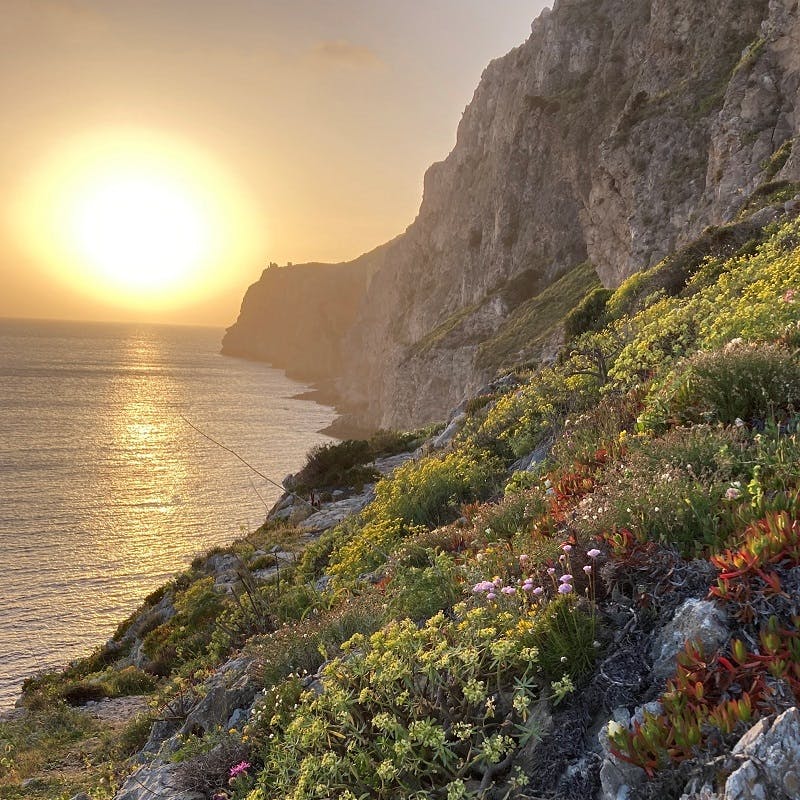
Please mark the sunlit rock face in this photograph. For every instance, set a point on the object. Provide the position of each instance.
(615, 134)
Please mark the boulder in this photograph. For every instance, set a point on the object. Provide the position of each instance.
(333, 513)
(772, 768)
(449, 433)
(229, 688)
(155, 780)
(533, 459)
(387, 465)
(695, 621)
(617, 777)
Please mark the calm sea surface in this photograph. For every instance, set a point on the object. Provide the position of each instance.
(104, 491)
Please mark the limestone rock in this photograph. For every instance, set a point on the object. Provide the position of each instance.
(616, 776)
(449, 433)
(533, 459)
(772, 769)
(157, 780)
(333, 513)
(695, 620)
(229, 688)
(388, 464)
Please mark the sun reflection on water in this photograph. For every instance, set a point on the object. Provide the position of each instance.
(107, 493)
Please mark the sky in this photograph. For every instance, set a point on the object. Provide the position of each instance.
(236, 133)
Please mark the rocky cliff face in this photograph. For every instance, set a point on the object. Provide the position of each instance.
(297, 317)
(615, 134)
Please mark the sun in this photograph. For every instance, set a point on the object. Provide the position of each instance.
(136, 218)
(139, 230)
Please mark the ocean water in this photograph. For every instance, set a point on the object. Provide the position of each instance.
(105, 491)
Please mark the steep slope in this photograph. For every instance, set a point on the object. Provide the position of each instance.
(614, 135)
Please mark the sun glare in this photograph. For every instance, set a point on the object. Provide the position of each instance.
(140, 231)
(135, 218)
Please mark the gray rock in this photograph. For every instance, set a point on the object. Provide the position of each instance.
(387, 465)
(772, 768)
(533, 459)
(222, 563)
(449, 433)
(695, 620)
(289, 482)
(156, 780)
(617, 777)
(239, 717)
(333, 513)
(699, 789)
(322, 584)
(229, 688)
(161, 732)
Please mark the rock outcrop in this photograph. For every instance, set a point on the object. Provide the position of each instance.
(614, 135)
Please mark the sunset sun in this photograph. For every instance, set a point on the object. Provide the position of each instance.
(136, 218)
(140, 231)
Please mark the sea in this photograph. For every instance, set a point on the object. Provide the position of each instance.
(106, 489)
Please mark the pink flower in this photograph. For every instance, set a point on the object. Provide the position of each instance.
(538, 591)
(567, 548)
(732, 493)
(551, 570)
(239, 768)
(789, 296)
(593, 553)
(497, 580)
(483, 586)
(588, 569)
(524, 559)
(565, 588)
(491, 596)
(566, 579)
(509, 590)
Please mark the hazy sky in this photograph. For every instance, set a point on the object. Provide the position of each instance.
(318, 117)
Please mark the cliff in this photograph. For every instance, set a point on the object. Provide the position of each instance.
(296, 317)
(614, 135)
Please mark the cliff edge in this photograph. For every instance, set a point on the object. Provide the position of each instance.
(613, 136)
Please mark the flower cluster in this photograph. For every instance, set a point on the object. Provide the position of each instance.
(528, 586)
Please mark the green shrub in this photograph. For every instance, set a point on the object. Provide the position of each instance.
(336, 464)
(417, 593)
(672, 490)
(740, 382)
(604, 427)
(565, 636)
(589, 314)
(512, 515)
(406, 713)
(130, 681)
(301, 647)
(523, 419)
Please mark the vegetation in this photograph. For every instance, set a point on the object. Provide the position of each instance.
(530, 326)
(420, 648)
